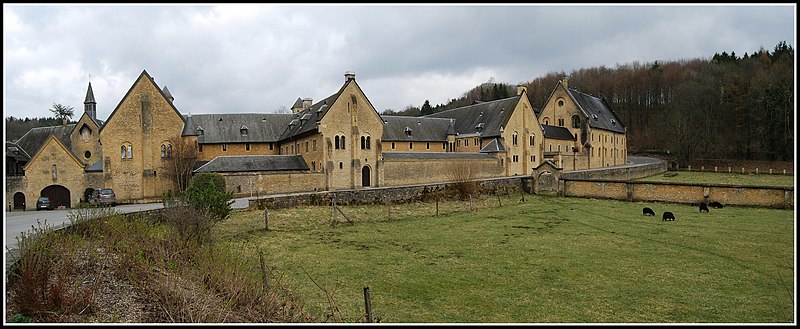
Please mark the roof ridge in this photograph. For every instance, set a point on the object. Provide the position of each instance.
(471, 105)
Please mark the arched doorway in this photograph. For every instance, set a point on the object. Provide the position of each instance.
(365, 172)
(19, 200)
(59, 195)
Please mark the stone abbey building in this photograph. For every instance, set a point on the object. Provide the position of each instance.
(339, 142)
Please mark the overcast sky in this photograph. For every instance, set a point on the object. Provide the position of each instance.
(259, 58)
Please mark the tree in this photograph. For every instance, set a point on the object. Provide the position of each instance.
(62, 112)
(207, 192)
(282, 110)
(426, 108)
(184, 158)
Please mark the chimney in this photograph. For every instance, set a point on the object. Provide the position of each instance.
(307, 102)
(521, 89)
(349, 75)
(565, 82)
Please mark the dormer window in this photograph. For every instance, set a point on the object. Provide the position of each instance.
(613, 122)
(408, 131)
(594, 116)
(243, 130)
(199, 131)
(479, 127)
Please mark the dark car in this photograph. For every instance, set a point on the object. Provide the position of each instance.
(103, 197)
(44, 203)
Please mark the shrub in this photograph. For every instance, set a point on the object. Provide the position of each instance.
(207, 192)
(87, 193)
(464, 177)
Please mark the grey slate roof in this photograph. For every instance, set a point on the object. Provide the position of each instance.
(13, 150)
(34, 138)
(423, 129)
(97, 166)
(598, 112)
(167, 93)
(89, 95)
(492, 114)
(298, 103)
(312, 115)
(494, 146)
(436, 155)
(254, 163)
(556, 132)
(226, 128)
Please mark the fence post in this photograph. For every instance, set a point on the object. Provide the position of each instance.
(264, 276)
(715, 168)
(437, 206)
(690, 167)
(770, 171)
(756, 170)
(702, 168)
(367, 304)
(729, 169)
(743, 170)
(470, 202)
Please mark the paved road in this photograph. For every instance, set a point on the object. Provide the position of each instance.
(16, 222)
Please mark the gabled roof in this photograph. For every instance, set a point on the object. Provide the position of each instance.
(35, 138)
(298, 103)
(254, 163)
(66, 148)
(436, 155)
(13, 150)
(494, 146)
(423, 129)
(493, 115)
(149, 78)
(556, 132)
(310, 116)
(226, 128)
(597, 111)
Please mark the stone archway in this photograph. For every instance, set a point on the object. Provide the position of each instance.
(59, 195)
(546, 177)
(365, 177)
(19, 200)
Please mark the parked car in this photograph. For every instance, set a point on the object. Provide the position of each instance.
(44, 203)
(103, 197)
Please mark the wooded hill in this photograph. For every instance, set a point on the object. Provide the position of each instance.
(725, 107)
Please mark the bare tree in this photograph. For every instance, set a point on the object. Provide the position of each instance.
(464, 174)
(282, 110)
(183, 160)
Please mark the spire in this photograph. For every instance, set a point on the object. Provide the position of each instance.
(89, 104)
(167, 93)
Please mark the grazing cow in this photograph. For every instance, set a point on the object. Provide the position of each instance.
(648, 212)
(703, 207)
(715, 205)
(668, 216)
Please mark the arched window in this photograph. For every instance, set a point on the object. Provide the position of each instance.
(369, 143)
(336, 142)
(363, 142)
(576, 121)
(169, 150)
(130, 151)
(560, 102)
(532, 140)
(163, 151)
(122, 152)
(126, 151)
(343, 144)
(514, 138)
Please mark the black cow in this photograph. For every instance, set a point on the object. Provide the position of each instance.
(703, 207)
(668, 216)
(648, 212)
(715, 205)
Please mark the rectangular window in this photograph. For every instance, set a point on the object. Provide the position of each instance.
(410, 145)
(224, 147)
(427, 146)
(270, 146)
(392, 145)
(247, 147)
(314, 144)
(200, 147)
(306, 146)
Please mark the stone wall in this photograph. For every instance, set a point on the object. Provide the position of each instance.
(625, 173)
(265, 183)
(503, 186)
(773, 197)
(398, 172)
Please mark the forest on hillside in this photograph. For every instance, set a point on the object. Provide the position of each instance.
(17, 127)
(725, 107)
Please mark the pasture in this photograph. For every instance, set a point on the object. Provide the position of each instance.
(544, 260)
(696, 177)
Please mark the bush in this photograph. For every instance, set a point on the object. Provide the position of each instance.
(207, 192)
(87, 193)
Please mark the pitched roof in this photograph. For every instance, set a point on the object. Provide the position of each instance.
(493, 147)
(167, 93)
(254, 163)
(13, 150)
(436, 155)
(35, 138)
(298, 103)
(492, 115)
(422, 128)
(308, 119)
(556, 132)
(597, 111)
(97, 166)
(226, 128)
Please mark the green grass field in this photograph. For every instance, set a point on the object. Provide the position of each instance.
(547, 260)
(722, 178)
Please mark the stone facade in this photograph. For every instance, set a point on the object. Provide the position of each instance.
(341, 139)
